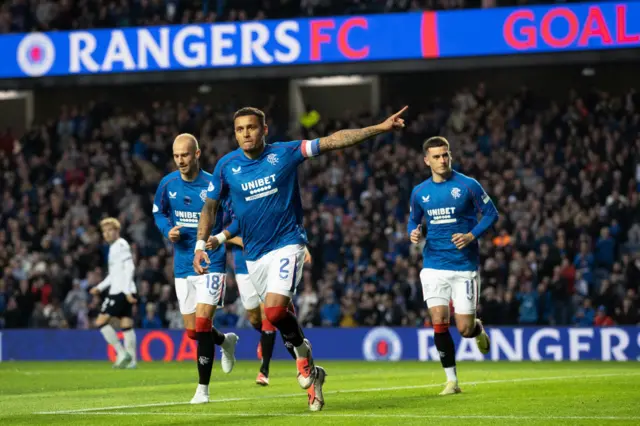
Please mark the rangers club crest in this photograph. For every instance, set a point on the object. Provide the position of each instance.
(203, 195)
(272, 159)
(35, 54)
(382, 344)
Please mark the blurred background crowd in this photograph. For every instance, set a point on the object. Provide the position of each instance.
(564, 175)
(48, 15)
(563, 170)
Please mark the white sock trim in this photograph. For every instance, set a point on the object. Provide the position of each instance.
(226, 345)
(302, 351)
(451, 374)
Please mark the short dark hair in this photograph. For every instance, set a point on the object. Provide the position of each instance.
(435, 142)
(243, 112)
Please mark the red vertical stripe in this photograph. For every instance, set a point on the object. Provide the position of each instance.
(429, 32)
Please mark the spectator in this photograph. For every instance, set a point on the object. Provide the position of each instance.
(151, 319)
(330, 311)
(173, 317)
(529, 301)
(605, 250)
(602, 319)
(585, 315)
(74, 303)
(627, 314)
(13, 316)
(584, 263)
(307, 300)
(560, 294)
(545, 303)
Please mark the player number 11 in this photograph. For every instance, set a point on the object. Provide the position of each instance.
(470, 289)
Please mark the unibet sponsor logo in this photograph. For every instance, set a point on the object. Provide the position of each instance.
(260, 188)
(442, 215)
(187, 219)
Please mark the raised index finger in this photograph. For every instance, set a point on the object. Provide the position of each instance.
(399, 113)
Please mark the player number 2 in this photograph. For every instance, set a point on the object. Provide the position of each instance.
(284, 273)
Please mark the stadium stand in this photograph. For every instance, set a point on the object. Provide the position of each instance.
(46, 15)
(564, 175)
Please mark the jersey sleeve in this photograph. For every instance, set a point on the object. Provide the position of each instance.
(128, 268)
(104, 284)
(162, 210)
(232, 223)
(304, 149)
(416, 214)
(484, 205)
(234, 227)
(218, 187)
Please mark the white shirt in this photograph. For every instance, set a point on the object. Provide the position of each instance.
(121, 269)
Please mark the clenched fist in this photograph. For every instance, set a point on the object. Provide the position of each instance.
(416, 234)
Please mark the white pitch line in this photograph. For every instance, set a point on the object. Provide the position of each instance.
(349, 415)
(291, 395)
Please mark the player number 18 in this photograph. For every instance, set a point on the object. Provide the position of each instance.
(213, 283)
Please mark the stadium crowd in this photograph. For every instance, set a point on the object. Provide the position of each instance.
(565, 178)
(19, 16)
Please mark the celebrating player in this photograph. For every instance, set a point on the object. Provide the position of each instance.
(262, 182)
(249, 296)
(120, 301)
(450, 202)
(178, 201)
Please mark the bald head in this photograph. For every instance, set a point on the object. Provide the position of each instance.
(186, 141)
(186, 153)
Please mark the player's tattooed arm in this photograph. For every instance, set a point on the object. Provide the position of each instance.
(346, 138)
(207, 218)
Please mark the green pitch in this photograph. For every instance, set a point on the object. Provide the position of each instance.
(405, 393)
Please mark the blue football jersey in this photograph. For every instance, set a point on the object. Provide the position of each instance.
(230, 223)
(178, 202)
(265, 194)
(451, 207)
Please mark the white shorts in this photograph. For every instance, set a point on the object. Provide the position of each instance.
(439, 287)
(248, 294)
(207, 289)
(279, 271)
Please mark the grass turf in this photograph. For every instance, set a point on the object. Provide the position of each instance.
(69, 393)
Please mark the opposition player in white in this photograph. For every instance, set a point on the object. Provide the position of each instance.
(262, 181)
(178, 200)
(450, 202)
(121, 298)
